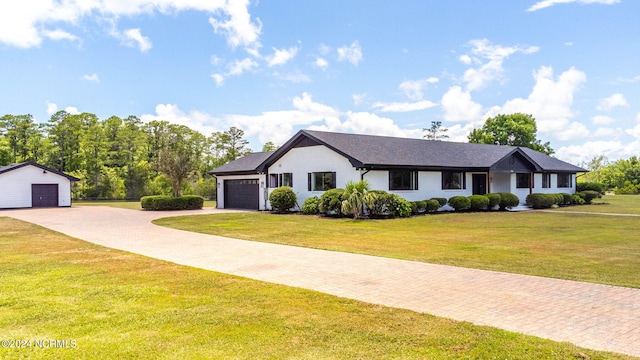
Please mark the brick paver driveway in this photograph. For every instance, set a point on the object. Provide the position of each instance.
(599, 317)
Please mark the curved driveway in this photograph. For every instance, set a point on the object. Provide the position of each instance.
(599, 317)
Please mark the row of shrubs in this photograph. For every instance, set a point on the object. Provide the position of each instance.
(545, 201)
(162, 202)
(381, 204)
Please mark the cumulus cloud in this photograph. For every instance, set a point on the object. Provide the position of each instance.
(282, 56)
(239, 67)
(321, 63)
(404, 106)
(602, 120)
(412, 89)
(612, 101)
(614, 149)
(548, 3)
(25, 24)
(491, 58)
(351, 53)
(196, 120)
(133, 38)
(550, 103)
(458, 106)
(358, 99)
(52, 108)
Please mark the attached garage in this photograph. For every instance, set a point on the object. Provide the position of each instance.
(30, 184)
(242, 194)
(240, 185)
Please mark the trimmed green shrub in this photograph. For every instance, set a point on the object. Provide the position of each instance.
(494, 200)
(577, 200)
(162, 202)
(441, 201)
(588, 195)
(283, 199)
(508, 200)
(432, 205)
(628, 188)
(331, 202)
(478, 202)
(382, 204)
(594, 186)
(311, 206)
(459, 203)
(541, 201)
(401, 206)
(418, 207)
(567, 199)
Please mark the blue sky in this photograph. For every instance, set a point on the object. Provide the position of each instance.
(388, 68)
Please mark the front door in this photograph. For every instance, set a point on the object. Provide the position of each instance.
(479, 184)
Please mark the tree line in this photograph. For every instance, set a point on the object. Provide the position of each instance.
(121, 158)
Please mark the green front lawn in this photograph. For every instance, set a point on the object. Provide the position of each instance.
(592, 248)
(619, 204)
(109, 304)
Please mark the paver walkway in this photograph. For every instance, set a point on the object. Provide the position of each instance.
(599, 317)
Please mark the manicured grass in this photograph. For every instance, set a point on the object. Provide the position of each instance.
(619, 204)
(592, 248)
(123, 204)
(117, 305)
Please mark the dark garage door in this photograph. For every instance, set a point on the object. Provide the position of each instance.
(44, 195)
(241, 194)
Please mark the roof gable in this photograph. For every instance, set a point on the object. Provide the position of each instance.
(248, 164)
(5, 169)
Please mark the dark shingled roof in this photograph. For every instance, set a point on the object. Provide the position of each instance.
(379, 152)
(7, 168)
(247, 164)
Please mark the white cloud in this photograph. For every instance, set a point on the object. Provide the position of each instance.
(25, 23)
(237, 27)
(635, 132)
(196, 120)
(550, 103)
(91, 77)
(413, 88)
(404, 106)
(133, 37)
(321, 63)
(219, 79)
(351, 53)
(282, 56)
(239, 67)
(358, 99)
(492, 67)
(458, 106)
(548, 3)
(295, 77)
(215, 60)
(607, 133)
(52, 108)
(577, 154)
(465, 59)
(612, 101)
(602, 120)
(59, 34)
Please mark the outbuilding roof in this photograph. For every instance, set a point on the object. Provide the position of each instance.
(248, 164)
(7, 168)
(384, 152)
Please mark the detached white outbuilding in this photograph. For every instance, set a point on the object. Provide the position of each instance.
(29, 184)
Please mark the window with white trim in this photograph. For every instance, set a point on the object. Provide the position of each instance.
(277, 180)
(321, 181)
(564, 180)
(403, 180)
(453, 180)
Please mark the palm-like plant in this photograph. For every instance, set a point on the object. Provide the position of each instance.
(355, 196)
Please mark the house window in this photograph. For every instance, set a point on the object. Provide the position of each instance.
(546, 180)
(277, 180)
(564, 181)
(321, 181)
(403, 180)
(523, 181)
(453, 180)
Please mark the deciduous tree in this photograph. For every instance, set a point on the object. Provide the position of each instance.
(514, 129)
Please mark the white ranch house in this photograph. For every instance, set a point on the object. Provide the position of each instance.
(30, 184)
(314, 161)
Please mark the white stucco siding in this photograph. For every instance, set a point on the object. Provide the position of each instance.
(220, 188)
(304, 160)
(15, 186)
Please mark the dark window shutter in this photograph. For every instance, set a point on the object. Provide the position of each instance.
(415, 180)
(309, 181)
(333, 180)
